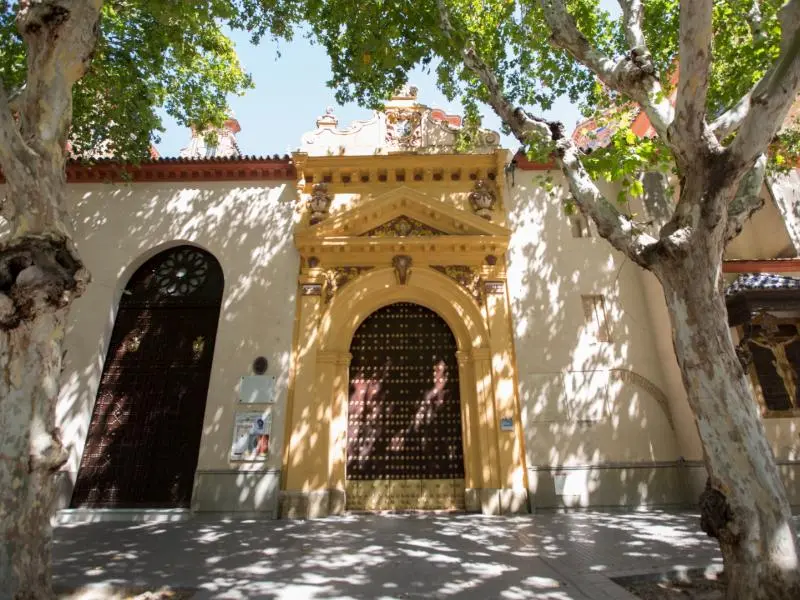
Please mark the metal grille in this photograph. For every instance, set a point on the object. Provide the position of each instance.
(404, 413)
(144, 435)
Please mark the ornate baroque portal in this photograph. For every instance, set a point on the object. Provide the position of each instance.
(401, 247)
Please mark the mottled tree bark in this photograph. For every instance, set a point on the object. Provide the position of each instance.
(745, 506)
(40, 275)
(30, 365)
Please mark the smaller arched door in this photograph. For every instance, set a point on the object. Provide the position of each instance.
(144, 436)
(404, 442)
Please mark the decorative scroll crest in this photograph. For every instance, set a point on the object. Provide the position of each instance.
(403, 226)
(482, 199)
(467, 277)
(338, 277)
(403, 128)
(319, 203)
(402, 268)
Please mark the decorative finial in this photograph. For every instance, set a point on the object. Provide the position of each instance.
(328, 119)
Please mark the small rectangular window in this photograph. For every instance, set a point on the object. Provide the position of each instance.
(579, 226)
(594, 310)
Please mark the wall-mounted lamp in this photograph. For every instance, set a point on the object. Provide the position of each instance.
(510, 168)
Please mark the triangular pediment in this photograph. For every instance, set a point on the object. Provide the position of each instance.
(405, 212)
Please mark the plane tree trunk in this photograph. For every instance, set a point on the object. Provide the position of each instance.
(744, 505)
(40, 275)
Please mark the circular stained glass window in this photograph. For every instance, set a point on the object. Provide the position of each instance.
(182, 272)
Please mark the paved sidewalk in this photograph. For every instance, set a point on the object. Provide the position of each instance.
(554, 556)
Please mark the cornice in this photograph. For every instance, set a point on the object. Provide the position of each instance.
(247, 168)
(774, 265)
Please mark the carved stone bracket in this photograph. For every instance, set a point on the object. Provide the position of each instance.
(311, 289)
(467, 277)
(482, 199)
(336, 278)
(402, 268)
(319, 203)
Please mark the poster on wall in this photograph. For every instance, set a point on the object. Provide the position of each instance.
(251, 436)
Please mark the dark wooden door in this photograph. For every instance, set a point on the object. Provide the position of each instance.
(144, 436)
(404, 411)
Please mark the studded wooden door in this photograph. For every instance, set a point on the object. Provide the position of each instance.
(144, 436)
(404, 448)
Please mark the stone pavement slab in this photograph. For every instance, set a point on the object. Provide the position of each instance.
(553, 556)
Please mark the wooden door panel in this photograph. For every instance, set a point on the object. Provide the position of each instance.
(144, 435)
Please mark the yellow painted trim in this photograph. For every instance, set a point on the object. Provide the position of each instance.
(401, 201)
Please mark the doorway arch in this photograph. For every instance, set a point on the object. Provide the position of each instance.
(404, 442)
(144, 435)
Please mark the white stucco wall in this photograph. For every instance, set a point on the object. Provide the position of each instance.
(580, 404)
(248, 228)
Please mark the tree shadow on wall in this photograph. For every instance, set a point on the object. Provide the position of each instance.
(248, 230)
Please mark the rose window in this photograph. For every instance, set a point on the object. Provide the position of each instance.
(182, 272)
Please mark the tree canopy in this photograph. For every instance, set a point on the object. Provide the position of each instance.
(150, 55)
(374, 44)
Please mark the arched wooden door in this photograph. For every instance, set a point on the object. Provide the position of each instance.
(404, 447)
(144, 436)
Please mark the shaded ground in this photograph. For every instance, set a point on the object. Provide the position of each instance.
(550, 556)
(115, 592)
(694, 590)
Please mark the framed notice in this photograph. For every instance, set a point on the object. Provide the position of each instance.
(251, 431)
(257, 389)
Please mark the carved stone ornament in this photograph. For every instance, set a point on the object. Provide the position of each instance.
(403, 227)
(311, 289)
(402, 268)
(494, 287)
(337, 278)
(482, 200)
(403, 128)
(465, 276)
(406, 92)
(319, 203)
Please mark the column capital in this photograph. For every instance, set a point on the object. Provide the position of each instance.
(481, 354)
(334, 357)
(463, 357)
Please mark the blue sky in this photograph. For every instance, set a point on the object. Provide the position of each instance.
(290, 93)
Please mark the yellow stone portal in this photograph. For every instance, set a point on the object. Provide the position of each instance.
(376, 241)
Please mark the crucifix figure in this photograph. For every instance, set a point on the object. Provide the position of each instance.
(773, 339)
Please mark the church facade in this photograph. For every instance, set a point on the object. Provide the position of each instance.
(382, 322)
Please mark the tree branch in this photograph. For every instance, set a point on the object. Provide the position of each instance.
(770, 101)
(527, 129)
(732, 119)
(60, 37)
(633, 75)
(617, 228)
(695, 36)
(633, 14)
(748, 198)
(755, 21)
